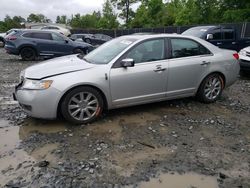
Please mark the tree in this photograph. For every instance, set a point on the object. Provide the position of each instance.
(125, 7)
(36, 18)
(109, 18)
(61, 19)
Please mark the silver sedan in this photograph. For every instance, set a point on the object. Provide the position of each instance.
(126, 71)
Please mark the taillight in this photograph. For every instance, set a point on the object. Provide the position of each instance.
(236, 56)
(11, 38)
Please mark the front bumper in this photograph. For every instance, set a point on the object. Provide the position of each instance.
(244, 65)
(38, 103)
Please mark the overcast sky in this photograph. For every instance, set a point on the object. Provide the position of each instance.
(50, 8)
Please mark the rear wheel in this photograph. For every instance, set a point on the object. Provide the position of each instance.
(82, 105)
(28, 54)
(211, 88)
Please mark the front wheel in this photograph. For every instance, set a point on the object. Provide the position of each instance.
(79, 51)
(82, 105)
(211, 88)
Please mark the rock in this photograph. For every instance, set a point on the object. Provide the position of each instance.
(98, 149)
(91, 171)
(222, 176)
(202, 138)
(42, 163)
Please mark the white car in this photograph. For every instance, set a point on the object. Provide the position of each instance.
(58, 29)
(245, 59)
(2, 42)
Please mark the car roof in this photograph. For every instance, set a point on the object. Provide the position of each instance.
(149, 36)
(39, 31)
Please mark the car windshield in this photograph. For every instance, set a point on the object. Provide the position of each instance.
(108, 51)
(195, 32)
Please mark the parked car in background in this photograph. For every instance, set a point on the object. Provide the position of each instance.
(96, 39)
(245, 59)
(126, 71)
(3, 35)
(221, 36)
(2, 41)
(33, 43)
(58, 29)
(78, 36)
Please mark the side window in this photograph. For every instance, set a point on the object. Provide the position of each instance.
(57, 37)
(217, 34)
(229, 34)
(152, 50)
(45, 36)
(186, 48)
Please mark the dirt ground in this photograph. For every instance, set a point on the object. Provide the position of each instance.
(172, 144)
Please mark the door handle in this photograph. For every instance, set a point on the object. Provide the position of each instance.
(233, 42)
(159, 69)
(205, 63)
(219, 43)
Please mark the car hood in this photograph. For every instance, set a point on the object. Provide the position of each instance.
(56, 66)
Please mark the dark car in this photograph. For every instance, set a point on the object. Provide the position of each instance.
(226, 37)
(33, 43)
(96, 39)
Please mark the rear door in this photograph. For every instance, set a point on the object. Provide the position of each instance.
(189, 63)
(44, 43)
(144, 82)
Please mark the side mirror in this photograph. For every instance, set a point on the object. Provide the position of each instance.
(127, 63)
(210, 37)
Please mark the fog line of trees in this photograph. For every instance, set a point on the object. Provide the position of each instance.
(150, 13)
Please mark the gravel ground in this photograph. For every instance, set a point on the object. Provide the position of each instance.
(128, 147)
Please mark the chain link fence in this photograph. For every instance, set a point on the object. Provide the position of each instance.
(243, 30)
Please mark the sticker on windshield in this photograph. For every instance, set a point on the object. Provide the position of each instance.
(127, 42)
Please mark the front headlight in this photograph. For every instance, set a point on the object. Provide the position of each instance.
(243, 52)
(36, 84)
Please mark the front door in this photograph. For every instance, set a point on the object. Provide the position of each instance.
(144, 82)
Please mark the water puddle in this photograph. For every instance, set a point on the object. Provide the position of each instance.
(42, 126)
(14, 161)
(188, 180)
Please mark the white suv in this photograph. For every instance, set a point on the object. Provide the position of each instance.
(59, 29)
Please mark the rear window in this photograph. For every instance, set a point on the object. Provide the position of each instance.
(45, 36)
(186, 48)
(28, 35)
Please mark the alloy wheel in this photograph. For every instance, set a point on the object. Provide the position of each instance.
(83, 106)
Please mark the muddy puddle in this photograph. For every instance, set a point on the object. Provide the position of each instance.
(14, 160)
(188, 180)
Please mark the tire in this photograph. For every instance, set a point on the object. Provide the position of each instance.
(3, 42)
(79, 51)
(82, 105)
(211, 88)
(87, 40)
(28, 54)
